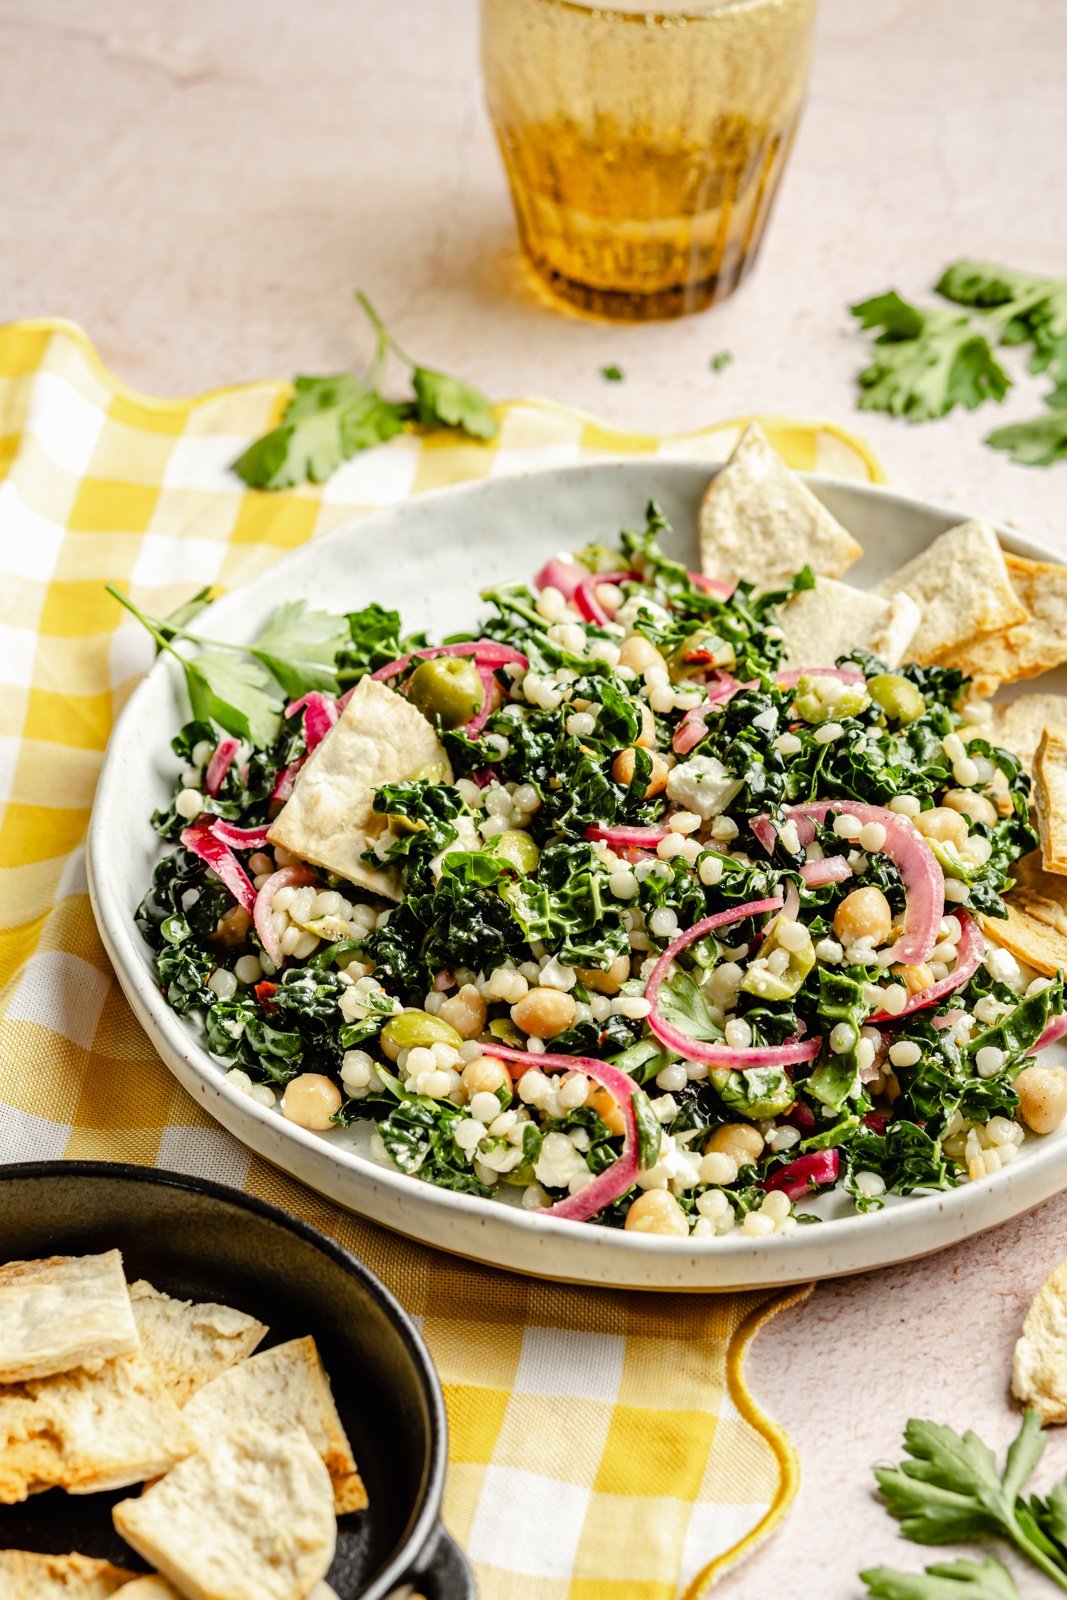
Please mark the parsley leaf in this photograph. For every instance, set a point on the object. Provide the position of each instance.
(613, 374)
(234, 693)
(1040, 441)
(946, 1580)
(1030, 310)
(721, 361)
(325, 423)
(951, 1489)
(451, 403)
(926, 362)
(299, 646)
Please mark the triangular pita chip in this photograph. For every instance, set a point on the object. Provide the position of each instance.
(1019, 724)
(1031, 647)
(187, 1343)
(86, 1431)
(1050, 800)
(286, 1387)
(834, 619)
(1039, 1367)
(329, 820)
(63, 1312)
(25, 1575)
(961, 584)
(249, 1518)
(759, 520)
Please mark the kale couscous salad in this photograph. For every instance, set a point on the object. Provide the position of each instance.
(661, 899)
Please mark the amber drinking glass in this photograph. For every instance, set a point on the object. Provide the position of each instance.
(644, 146)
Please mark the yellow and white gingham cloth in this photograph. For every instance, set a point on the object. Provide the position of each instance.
(604, 1445)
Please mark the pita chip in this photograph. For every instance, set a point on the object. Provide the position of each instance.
(833, 619)
(1039, 1366)
(152, 1587)
(25, 1575)
(1019, 725)
(759, 520)
(962, 587)
(1031, 647)
(63, 1312)
(189, 1343)
(329, 820)
(1035, 929)
(1050, 800)
(86, 1431)
(285, 1387)
(249, 1518)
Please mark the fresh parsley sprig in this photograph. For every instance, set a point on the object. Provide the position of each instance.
(928, 360)
(295, 653)
(329, 419)
(951, 1489)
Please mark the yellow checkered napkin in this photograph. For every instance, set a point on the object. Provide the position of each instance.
(603, 1445)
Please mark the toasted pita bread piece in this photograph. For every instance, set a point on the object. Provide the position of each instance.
(759, 520)
(286, 1387)
(63, 1312)
(1050, 800)
(1031, 647)
(25, 1575)
(962, 586)
(249, 1518)
(1035, 929)
(834, 619)
(187, 1343)
(1039, 1366)
(1019, 724)
(85, 1431)
(329, 820)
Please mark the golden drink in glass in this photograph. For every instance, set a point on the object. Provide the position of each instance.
(644, 146)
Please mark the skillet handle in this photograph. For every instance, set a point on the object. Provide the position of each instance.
(443, 1571)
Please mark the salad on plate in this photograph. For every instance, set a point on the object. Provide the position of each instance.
(661, 899)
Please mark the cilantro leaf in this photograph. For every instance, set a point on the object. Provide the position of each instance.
(299, 646)
(1029, 309)
(1040, 441)
(325, 423)
(926, 362)
(235, 694)
(946, 1580)
(451, 403)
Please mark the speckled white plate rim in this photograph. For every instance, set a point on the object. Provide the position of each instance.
(486, 1230)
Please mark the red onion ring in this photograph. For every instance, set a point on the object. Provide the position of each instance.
(284, 878)
(222, 861)
(626, 838)
(585, 597)
(815, 1171)
(486, 651)
(969, 953)
(220, 764)
(608, 1185)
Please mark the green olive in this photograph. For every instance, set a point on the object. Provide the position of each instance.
(413, 1028)
(898, 697)
(447, 687)
(517, 847)
(825, 699)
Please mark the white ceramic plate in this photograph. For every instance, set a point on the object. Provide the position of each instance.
(428, 558)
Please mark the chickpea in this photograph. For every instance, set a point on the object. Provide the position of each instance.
(232, 929)
(411, 1028)
(544, 1013)
(914, 979)
(972, 805)
(738, 1140)
(486, 1075)
(639, 655)
(1042, 1095)
(464, 1011)
(942, 824)
(622, 770)
(656, 1211)
(607, 1109)
(863, 914)
(609, 982)
(310, 1101)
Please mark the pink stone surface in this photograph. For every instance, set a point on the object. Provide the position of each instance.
(202, 186)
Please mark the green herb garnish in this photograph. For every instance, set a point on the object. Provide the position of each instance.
(721, 361)
(613, 374)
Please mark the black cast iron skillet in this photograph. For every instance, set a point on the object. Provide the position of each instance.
(200, 1241)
